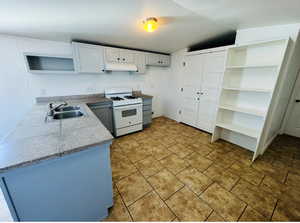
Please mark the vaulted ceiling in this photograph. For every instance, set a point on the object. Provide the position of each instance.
(118, 22)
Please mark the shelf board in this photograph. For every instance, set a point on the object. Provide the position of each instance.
(244, 110)
(252, 66)
(239, 129)
(51, 72)
(248, 89)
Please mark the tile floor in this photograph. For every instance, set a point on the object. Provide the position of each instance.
(171, 172)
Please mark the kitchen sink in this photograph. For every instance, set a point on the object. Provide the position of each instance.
(67, 108)
(70, 114)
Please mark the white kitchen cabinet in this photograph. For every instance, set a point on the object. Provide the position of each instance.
(140, 62)
(200, 92)
(250, 107)
(154, 59)
(116, 55)
(88, 58)
(112, 54)
(126, 56)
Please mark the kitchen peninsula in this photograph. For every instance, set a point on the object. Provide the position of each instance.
(60, 167)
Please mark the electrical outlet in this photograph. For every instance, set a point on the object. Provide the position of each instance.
(90, 89)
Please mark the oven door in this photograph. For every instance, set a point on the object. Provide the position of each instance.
(128, 115)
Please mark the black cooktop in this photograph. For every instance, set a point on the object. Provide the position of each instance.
(117, 98)
(130, 97)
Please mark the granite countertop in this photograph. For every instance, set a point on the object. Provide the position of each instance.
(34, 140)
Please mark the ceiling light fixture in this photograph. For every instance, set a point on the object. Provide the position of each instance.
(150, 24)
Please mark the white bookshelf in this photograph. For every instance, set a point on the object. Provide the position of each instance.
(249, 89)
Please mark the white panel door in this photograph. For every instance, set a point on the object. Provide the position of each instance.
(213, 70)
(191, 89)
(88, 58)
(293, 125)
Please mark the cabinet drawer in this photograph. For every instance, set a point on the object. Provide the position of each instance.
(147, 107)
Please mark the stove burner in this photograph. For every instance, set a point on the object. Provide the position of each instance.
(130, 97)
(116, 98)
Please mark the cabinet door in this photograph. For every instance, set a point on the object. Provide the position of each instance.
(165, 60)
(140, 62)
(213, 70)
(88, 58)
(191, 89)
(112, 55)
(153, 59)
(126, 56)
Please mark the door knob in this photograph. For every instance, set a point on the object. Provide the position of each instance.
(297, 100)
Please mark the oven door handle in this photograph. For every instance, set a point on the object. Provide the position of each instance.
(122, 107)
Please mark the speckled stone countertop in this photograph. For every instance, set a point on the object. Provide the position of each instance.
(34, 140)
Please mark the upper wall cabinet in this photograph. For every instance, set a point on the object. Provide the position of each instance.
(140, 62)
(116, 55)
(88, 58)
(158, 60)
(49, 64)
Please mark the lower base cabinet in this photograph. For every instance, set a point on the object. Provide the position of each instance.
(74, 187)
(147, 112)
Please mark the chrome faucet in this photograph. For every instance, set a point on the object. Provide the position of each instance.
(52, 108)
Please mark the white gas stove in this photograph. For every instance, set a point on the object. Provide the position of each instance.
(127, 110)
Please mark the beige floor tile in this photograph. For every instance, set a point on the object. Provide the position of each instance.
(261, 201)
(188, 207)
(268, 169)
(247, 173)
(122, 169)
(215, 217)
(127, 144)
(287, 211)
(136, 153)
(224, 202)
(273, 186)
(180, 150)
(174, 164)
(198, 162)
(167, 141)
(165, 183)
(118, 212)
(149, 166)
(133, 187)
(223, 177)
(159, 152)
(194, 179)
(201, 148)
(252, 215)
(293, 180)
(150, 208)
(221, 159)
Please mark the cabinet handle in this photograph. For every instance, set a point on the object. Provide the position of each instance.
(298, 100)
(118, 58)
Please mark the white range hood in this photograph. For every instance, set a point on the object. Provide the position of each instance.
(120, 67)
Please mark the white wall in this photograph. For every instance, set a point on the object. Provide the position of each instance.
(19, 88)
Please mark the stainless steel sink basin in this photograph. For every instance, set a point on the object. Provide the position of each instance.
(71, 114)
(67, 108)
